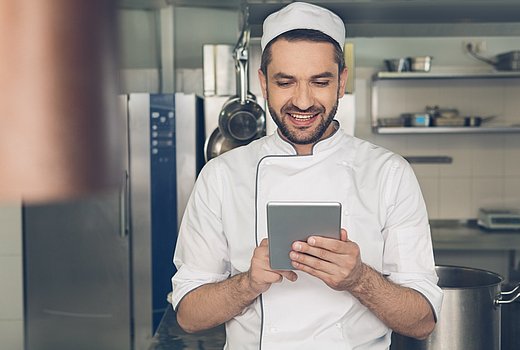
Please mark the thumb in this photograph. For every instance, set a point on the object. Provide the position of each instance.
(344, 235)
(290, 275)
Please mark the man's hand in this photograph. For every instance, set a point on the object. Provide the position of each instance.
(260, 275)
(335, 262)
(338, 264)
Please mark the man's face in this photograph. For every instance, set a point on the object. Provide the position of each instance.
(302, 88)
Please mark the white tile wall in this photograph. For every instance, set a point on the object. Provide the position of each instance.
(11, 277)
(11, 288)
(486, 167)
(11, 335)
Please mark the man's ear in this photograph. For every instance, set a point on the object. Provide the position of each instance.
(263, 83)
(342, 82)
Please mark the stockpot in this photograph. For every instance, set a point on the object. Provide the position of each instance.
(470, 315)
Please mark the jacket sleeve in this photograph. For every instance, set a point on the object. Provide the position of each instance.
(201, 252)
(408, 254)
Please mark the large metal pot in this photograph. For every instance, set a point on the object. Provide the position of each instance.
(470, 316)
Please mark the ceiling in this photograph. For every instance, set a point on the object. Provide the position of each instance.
(368, 18)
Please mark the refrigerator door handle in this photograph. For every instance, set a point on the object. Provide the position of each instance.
(124, 210)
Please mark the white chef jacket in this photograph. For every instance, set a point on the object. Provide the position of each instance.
(383, 212)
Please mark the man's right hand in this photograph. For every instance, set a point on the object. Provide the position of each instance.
(260, 275)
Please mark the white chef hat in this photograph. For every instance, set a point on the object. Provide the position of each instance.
(301, 15)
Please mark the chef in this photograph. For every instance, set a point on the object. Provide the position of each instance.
(347, 293)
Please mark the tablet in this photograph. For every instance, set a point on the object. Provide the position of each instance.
(296, 221)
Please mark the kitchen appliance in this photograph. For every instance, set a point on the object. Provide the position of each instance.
(470, 315)
(499, 219)
(507, 61)
(97, 268)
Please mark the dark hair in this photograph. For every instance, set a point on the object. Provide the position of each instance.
(303, 35)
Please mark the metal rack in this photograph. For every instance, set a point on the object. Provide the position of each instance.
(389, 76)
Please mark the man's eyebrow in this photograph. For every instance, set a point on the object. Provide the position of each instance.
(323, 75)
(282, 76)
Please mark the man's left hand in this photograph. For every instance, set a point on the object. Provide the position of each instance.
(335, 262)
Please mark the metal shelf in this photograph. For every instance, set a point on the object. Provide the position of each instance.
(409, 76)
(449, 75)
(446, 130)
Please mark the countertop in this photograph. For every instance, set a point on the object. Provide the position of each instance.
(446, 235)
(170, 336)
(467, 235)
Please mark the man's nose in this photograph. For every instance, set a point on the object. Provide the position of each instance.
(303, 97)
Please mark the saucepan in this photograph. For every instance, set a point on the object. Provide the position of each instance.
(470, 315)
(508, 61)
(241, 118)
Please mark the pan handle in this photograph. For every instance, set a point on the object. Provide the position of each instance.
(516, 291)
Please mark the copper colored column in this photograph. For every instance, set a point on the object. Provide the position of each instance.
(60, 133)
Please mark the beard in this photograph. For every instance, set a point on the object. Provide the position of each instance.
(302, 135)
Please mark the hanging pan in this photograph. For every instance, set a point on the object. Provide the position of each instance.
(241, 118)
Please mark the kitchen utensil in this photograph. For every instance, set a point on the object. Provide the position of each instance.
(398, 64)
(449, 121)
(437, 112)
(387, 122)
(470, 315)
(416, 119)
(241, 118)
(217, 144)
(409, 64)
(420, 63)
(508, 61)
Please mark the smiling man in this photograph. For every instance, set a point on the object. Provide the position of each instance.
(346, 293)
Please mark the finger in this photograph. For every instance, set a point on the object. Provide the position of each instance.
(330, 244)
(290, 275)
(264, 243)
(318, 264)
(302, 248)
(344, 235)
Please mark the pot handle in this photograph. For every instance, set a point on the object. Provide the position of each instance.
(499, 299)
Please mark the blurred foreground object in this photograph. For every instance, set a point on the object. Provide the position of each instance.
(59, 132)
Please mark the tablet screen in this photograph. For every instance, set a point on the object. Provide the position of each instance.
(296, 221)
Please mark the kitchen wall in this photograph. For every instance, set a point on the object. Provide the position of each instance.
(11, 285)
(486, 167)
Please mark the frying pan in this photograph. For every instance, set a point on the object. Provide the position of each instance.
(217, 144)
(241, 118)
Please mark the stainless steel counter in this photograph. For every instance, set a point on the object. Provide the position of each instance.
(458, 235)
(446, 235)
(170, 336)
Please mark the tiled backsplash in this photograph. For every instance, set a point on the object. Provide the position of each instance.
(485, 171)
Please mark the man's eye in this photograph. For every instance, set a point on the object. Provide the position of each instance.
(283, 83)
(321, 83)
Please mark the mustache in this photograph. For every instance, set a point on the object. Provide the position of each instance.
(290, 108)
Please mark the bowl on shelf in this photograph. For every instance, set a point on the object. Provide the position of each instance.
(409, 64)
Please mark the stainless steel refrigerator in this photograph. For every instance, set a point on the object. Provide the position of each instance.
(97, 269)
